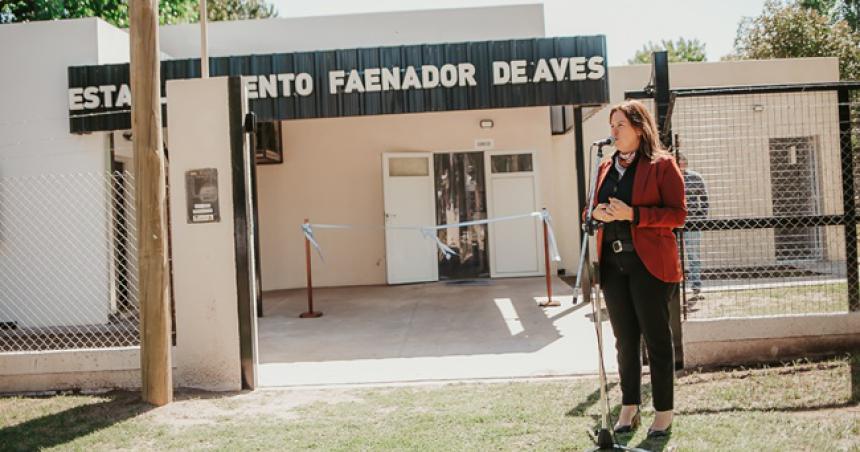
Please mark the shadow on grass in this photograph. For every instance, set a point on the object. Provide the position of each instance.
(654, 444)
(62, 427)
(647, 444)
(592, 399)
(767, 409)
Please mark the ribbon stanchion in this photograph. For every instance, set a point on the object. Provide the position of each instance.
(309, 238)
(549, 301)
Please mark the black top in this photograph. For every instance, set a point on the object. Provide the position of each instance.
(620, 187)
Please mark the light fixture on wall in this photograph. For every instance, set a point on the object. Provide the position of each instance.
(486, 123)
(758, 107)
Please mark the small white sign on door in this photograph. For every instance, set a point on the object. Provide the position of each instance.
(484, 144)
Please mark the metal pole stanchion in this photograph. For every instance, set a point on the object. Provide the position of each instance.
(549, 301)
(310, 314)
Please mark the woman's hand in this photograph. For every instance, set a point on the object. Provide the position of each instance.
(599, 213)
(618, 211)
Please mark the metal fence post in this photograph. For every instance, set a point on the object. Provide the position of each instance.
(848, 201)
(849, 206)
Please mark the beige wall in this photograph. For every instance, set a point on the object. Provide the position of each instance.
(734, 341)
(565, 214)
(70, 369)
(332, 173)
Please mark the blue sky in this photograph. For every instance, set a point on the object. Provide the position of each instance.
(627, 24)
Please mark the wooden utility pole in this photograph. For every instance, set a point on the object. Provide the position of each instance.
(204, 42)
(151, 189)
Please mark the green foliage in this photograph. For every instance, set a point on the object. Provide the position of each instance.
(794, 31)
(112, 11)
(799, 406)
(678, 51)
(836, 10)
(116, 11)
(239, 9)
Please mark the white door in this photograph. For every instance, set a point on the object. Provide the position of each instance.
(409, 201)
(516, 245)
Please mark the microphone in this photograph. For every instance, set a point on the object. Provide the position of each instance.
(608, 141)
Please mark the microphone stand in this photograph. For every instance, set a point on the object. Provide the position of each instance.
(604, 439)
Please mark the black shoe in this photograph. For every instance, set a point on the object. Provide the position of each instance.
(654, 434)
(633, 425)
(695, 298)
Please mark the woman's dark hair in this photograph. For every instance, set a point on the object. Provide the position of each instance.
(643, 121)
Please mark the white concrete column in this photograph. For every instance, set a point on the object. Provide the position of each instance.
(207, 353)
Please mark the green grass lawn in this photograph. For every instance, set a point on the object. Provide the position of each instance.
(819, 298)
(796, 407)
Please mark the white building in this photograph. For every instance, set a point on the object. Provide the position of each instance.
(334, 170)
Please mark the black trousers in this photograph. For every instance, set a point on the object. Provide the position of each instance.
(638, 305)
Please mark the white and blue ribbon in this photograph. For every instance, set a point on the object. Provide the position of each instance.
(445, 249)
(309, 234)
(429, 231)
(553, 246)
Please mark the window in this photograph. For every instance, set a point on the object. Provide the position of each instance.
(408, 166)
(513, 163)
(269, 148)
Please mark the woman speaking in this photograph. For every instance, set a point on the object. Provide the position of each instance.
(640, 199)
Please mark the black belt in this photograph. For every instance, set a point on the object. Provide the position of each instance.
(619, 246)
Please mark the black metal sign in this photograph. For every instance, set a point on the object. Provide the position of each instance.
(201, 196)
(372, 81)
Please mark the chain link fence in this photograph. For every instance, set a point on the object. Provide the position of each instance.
(68, 262)
(768, 175)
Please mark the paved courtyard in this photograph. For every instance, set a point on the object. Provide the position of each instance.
(482, 329)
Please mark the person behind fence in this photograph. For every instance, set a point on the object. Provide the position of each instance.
(697, 209)
(640, 199)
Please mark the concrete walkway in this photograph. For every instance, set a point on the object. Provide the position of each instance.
(428, 332)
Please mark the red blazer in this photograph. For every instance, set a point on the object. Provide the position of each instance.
(658, 193)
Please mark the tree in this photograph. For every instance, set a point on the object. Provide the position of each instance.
(238, 9)
(112, 11)
(836, 10)
(678, 51)
(793, 31)
(116, 11)
(851, 14)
